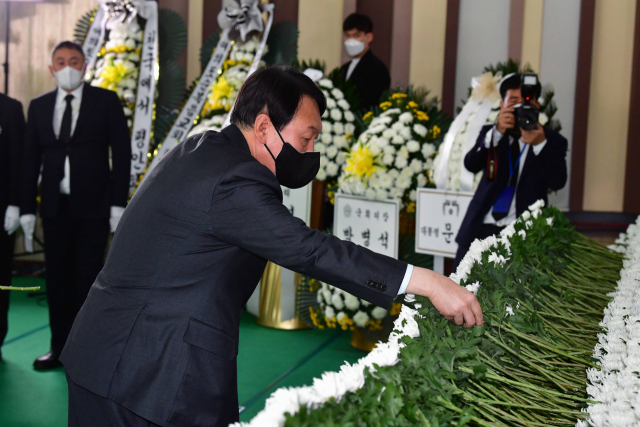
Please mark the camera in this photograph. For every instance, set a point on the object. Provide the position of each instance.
(526, 114)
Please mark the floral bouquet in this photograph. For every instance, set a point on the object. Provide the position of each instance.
(393, 155)
(118, 64)
(339, 309)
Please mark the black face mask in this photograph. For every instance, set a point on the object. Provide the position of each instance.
(293, 168)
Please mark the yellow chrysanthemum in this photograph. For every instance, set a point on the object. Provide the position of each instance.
(361, 162)
(368, 115)
(411, 207)
(395, 309)
(436, 131)
(412, 104)
(398, 95)
(386, 105)
(112, 74)
(421, 115)
(332, 197)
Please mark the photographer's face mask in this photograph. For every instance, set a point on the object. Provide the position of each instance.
(293, 168)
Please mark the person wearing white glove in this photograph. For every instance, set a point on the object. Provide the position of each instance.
(71, 134)
(11, 144)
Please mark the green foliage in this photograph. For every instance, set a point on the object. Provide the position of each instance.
(208, 46)
(525, 369)
(172, 32)
(171, 85)
(83, 25)
(283, 43)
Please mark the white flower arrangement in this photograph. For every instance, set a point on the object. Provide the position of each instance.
(118, 65)
(337, 130)
(339, 309)
(392, 156)
(616, 385)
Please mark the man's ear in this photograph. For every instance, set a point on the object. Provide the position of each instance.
(369, 37)
(53, 74)
(261, 128)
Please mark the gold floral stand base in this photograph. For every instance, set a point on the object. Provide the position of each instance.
(366, 340)
(270, 314)
(359, 342)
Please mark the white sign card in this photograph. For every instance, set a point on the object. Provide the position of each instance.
(369, 223)
(438, 219)
(298, 202)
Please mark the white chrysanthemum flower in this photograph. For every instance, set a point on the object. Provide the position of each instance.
(416, 165)
(388, 159)
(332, 151)
(325, 115)
(378, 313)
(400, 162)
(403, 182)
(321, 175)
(420, 129)
(397, 139)
(375, 150)
(351, 302)
(329, 312)
(385, 181)
(389, 133)
(326, 138)
(405, 132)
(413, 146)
(407, 171)
(338, 128)
(361, 318)
(404, 153)
(413, 195)
(390, 112)
(337, 93)
(370, 194)
(341, 159)
(325, 83)
(331, 103)
(326, 126)
(389, 149)
(543, 119)
(406, 117)
(550, 221)
(336, 114)
(339, 141)
(422, 181)
(341, 315)
(349, 128)
(343, 104)
(320, 147)
(383, 143)
(323, 161)
(394, 173)
(428, 150)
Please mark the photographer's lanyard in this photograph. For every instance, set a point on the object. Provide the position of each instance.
(503, 203)
(511, 167)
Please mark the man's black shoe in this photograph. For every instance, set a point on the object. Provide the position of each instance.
(47, 361)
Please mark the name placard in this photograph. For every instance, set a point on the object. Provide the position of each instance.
(438, 218)
(298, 202)
(369, 223)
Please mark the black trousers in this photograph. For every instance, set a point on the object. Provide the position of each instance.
(7, 244)
(74, 255)
(87, 409)
(485, 231)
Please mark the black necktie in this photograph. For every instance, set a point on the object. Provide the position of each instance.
(65, 127)
(515, 166)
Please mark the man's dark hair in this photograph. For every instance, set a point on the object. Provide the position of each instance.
(276, 91)
(513, 82)
(358, 21)
(67, 45)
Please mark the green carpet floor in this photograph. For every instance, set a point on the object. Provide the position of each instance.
(268, 359)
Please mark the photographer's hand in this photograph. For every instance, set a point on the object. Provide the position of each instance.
(506, 120)
(533, 137)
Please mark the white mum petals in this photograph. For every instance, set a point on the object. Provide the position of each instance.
(343, 104)
(389, 134)
(349, 128)
(413, 146)
(331, 103)
(326, 127)
(523, 234)
(329, 312)
(616, 386)
(398, 139)
(337, 94)
(348, 116)
(325, 83)
(525, 215)
(378, 313)
(473, 288)
(338, 128)
(390, 112)
(420, 129)
(361, 318)
(406, 117)
(428, 150)
(336, 114)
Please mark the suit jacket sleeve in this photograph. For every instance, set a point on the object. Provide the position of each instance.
(552, 161)
(476, 159)
(120, 143)
(31, 163)
(16, 137)
(247, 212)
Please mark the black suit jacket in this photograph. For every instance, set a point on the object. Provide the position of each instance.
(11, 136)
(158, 332)
(95, 186)
(370, 77)
(540, 173)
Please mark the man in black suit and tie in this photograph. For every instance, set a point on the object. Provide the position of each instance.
(368, 74)
(11, 136)
(72, 132)
(524, 169)
(156, 341)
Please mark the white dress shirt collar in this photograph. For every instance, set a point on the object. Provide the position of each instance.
(77, 94)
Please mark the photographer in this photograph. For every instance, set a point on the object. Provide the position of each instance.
(521, 162)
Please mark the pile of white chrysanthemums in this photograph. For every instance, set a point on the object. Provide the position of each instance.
(337, 129)
(616, 386)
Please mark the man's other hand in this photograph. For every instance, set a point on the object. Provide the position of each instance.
(506, 120)
(453, 301)
(533, 137)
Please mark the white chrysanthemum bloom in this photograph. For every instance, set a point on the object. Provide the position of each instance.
(385, 181)
(329, 312)
(337, 93)
(351, 302)
(405, 132)
(370, 194)
(325, 115)
(326, 126)
(473, 288)
(388, 159)
(383, 143)
(339, 141)
(550, 221)
(336, 114)
(404, 153)
(413, 146)
(325, 83)
(388, 133)
(416, 165)
(394, 173)
(332, 151)
(341, 159)
(349, 128)
(338, 128)
(420, 129)
(343, 104)
(127, 111)
(422, 181)
(323, 161)
(525, 216)
(413, 195)
(375, 150)
(361, 318)
(400, 162)
(331, 103)
(407, 171)
(397, 139)
(321, 175)
(398, 126)
(543, 119)
(403, 182)
(406, 117)
(378, 313)
(523, 234)
(326, 138)
(332, 168)
(428, 150)
(325, 93)
(390, 112)
(320, 147)
(341, 315)
(382, 120)
(381, 194)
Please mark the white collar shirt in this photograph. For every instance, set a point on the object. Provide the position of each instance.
(352, 66)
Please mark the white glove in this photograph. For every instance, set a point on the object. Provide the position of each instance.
(11, 219)
(116, 214)
(28, 224)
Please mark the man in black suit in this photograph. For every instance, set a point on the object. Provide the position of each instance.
(11, 136)
(156, 341)
(531, 165)
(72, 132)
(368, 74)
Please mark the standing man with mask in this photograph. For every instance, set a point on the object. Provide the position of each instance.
(11, 136)
(155, 344)
(368, 74)
(71, 133)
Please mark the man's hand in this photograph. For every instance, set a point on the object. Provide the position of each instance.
(533, 137)
(28, 224)
(11, 219)
(452, 301)
(116, 214)
(506, 120)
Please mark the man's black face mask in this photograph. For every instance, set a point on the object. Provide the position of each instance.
(293, 168)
